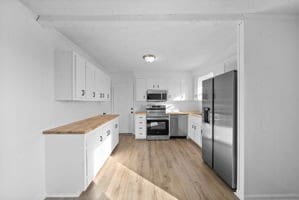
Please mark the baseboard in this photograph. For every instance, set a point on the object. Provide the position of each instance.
(62, 196)
(272, 196)
(193, 142)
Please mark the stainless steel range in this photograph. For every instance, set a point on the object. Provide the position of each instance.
(157, 122)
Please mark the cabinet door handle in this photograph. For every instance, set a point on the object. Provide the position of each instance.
(93, 94)
(101, 138)
(82, 92)
(108, 132)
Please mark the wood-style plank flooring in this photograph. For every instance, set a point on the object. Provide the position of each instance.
(166, 170)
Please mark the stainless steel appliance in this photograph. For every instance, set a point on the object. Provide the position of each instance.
(156, 95)
(178, 125)
(219, 126)
(157, 122)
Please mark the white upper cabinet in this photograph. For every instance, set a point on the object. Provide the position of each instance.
(186, 89)
(99, 77)
(77, 79)
(90, 81)
(178, 89)
(140, 89)
(107, 88)
(174, 90)
(157, 84)
(162, 84)
(80, 69)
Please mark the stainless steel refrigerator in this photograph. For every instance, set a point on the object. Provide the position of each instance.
(219, 126)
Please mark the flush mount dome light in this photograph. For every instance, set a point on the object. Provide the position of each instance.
(149, 58)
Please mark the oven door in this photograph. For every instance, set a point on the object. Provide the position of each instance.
(157, 127)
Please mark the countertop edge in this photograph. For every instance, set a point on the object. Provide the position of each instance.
(54, 132)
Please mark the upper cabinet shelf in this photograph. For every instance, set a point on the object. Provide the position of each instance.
(78, 80)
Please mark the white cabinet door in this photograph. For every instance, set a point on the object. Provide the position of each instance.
(108, 131)
(101, 85)
(151, 83)
(80, 86)
(197, 134)
(90, 81)
(186, 90)
(106, 89)
(162, 84)
(174, 90)
(191, 131)
(157, 84)
(140, 89)
(115, 135)
(98, 84)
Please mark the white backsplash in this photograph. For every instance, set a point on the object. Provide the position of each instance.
(174, 106)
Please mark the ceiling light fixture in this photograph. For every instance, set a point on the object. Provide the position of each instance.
(149, 58)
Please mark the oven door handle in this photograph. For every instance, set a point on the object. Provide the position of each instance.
(149, 118)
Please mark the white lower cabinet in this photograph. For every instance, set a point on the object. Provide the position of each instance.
(194, 129)
(73, 160)
(140, 126)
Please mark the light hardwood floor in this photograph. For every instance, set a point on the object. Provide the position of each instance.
(166, 170)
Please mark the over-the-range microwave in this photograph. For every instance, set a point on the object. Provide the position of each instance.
(156, 95)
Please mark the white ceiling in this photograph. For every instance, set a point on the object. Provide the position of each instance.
(184, 35)
(179, 46)
(101, 7)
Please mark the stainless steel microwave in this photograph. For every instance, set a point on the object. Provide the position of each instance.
(156, 95)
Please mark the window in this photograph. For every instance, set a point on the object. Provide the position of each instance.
(199, 84)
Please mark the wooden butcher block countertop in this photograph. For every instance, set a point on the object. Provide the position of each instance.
(184, 113)
(82, 126)
(140, 113)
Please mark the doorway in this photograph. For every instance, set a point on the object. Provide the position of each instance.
(123, 105)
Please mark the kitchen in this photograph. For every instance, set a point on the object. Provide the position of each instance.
(143, 100)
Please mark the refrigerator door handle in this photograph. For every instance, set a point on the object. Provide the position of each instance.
(206, 115)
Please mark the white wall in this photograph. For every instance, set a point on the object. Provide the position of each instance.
(193, 106)
(227, 64)
(27, 101)
(271, 107)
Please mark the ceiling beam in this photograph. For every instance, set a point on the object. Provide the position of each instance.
(60, 20)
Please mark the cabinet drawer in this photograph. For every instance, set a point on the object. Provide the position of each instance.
(140, 128)
(140, 117)
(94, 138)
(139, 122)
(140, 135)
(107, 131)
